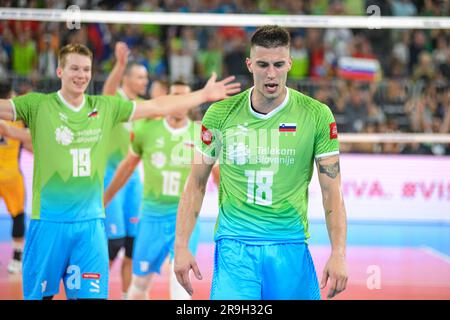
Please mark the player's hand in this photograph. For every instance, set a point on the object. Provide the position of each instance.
(121, 52)
(106, 198)
(184, 261)
(336, 271)
(218, 90)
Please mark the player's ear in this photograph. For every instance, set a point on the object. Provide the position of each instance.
(59, 72)
(289, 63)
(248, 63)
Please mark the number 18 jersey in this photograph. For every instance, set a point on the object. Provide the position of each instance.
(266, 164)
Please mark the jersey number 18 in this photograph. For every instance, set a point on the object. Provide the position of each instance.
(259, 187)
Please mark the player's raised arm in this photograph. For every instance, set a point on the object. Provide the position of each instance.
(188, 211)
(330, 183)
(123, 173)
(112, 83)
(165, 105)
(6, 110)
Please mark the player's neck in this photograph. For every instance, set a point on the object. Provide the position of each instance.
(129, 93)
(263, 105)
(176, 123)
(74, 99)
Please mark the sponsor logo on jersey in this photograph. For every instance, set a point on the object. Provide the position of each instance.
(134, 220)
(243, 127)
(128, 126)
(93, 114)
(160, 142)
(159, 159)
(206, 135)
(333, 131)
(90, 275)
(95, 286)
(63, 117)
(144, 266)
(287, 127)
(43, 286)
(64, 135)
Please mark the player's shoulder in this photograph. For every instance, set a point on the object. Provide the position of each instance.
(36, 96)
(146, 124)
(103, 99)
(221, 109)
(306, 102)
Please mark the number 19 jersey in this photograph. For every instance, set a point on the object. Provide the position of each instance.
(70, 150)
(266, 164)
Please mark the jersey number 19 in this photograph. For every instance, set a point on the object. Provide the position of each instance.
(81, 162)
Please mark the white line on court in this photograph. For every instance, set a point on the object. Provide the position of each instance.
(435, 253)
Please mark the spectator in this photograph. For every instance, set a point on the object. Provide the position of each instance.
(211, 59)
(403, 8)
(418, 45)
(401, 47)
(24, 55)
(425, 70)
(234, 60)
(47, 58)
(300, 60)
(356, 108)
(181, 63)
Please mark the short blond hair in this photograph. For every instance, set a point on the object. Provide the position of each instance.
(73, 48)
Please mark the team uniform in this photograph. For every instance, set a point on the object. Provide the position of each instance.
(266, 164)
(123, 210)
(167, 155)
(12, 189)
(67, 238)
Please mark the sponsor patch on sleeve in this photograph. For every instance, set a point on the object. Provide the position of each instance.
(206, 136)
(333, 131)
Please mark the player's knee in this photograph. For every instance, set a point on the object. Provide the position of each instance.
(18, 227)
(141, 283)
(114, 246)
(129, 247)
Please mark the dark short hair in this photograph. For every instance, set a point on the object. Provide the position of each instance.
(5, 89)
(271, 37)
(130, 66)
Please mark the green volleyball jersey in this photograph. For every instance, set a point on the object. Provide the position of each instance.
(120, 138)
(70, 151)
(167, 155)
(266, 164)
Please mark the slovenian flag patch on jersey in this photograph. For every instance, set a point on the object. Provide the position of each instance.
(287, 127)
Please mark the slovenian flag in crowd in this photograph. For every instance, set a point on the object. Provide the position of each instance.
(359, 69)
(287, 127)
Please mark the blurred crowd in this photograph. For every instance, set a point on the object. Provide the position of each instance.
(411, 95)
